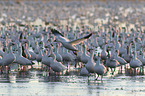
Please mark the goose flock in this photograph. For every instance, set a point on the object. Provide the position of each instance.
(86, 46)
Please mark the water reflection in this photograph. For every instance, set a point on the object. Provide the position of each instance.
(42, 83)
(4, 78)
(95, 85)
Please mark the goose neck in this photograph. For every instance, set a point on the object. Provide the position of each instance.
(84, 50)
(92, 54)
(98, 61)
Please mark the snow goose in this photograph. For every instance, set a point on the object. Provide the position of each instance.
(48, 56)
(30, 54)
(104, 53)
(9, 57)
(111, 62)
(84, 71)
(90, 64)
(1, 50)
(119, 59)
(45, 58)
(95, 43)
(117, 43)
(22, 60)
(33, 55)
(67, 57)
(99, 68)
(135, 62)
(35, 47)
(78, 57)
(85, 57)
(25, 50)
(100, 41)
(57, 66)
(127, 56)
(39, 56)
(122, 48)
(58, 56)
(141, 56)
(66, 42)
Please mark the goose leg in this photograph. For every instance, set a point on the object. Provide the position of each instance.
(142, 70)
(31, 66)
(76, 63)
(112, 71)
(121, 70)
(101, 78)
(97, 77)
(8, 71)
(1, 69)
(134, 71)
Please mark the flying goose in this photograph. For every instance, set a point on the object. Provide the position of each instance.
(69, 44)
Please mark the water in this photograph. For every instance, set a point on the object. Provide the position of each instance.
(40, 83)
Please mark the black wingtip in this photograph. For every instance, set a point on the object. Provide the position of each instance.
(55, 32)
(88, 36)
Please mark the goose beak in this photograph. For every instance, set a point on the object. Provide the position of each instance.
(88, 50)
(55, 40)
(13, 43)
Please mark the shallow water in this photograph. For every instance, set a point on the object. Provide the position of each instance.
(41, 83)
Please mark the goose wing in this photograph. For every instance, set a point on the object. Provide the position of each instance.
(59, 35)
(79, 40)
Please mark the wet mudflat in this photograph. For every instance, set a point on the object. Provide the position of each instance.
(42, 83)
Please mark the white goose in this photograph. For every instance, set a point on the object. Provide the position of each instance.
(117, 43)
(48, 56)
(58, 56)
(135, 62)
(66, 42)
(25, 45)
(39, 56)
(9, 57)
(122, 48)
(119, 59)
(111, 62)
(141, 56)
(1, 50)
(90, 64)
(45, 58)
(99, 68)
(84, 71)
(84, 57)
(104, 53)
(127, 56)
(22, 60)
(67, 57)
(57, 66)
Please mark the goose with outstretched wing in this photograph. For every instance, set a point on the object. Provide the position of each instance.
(68, 44)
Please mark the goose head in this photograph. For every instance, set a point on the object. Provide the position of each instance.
(84, 46)
(117, 51)
(11, 44)
(91, 50)
(57, 41)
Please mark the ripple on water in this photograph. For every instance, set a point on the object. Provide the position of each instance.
(38, 84)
